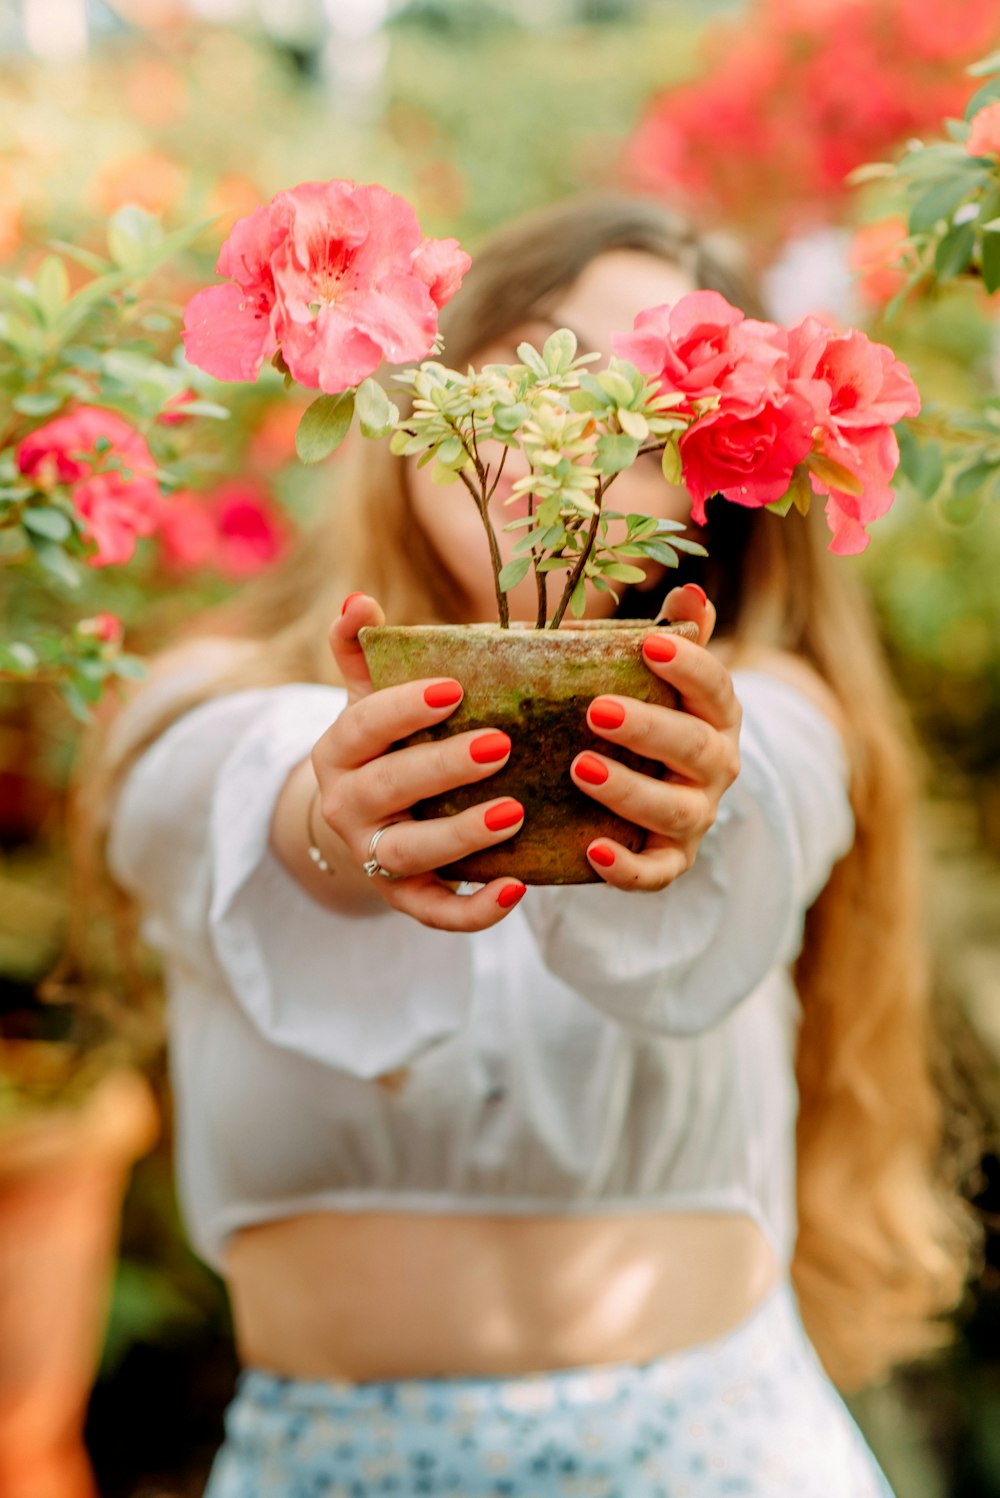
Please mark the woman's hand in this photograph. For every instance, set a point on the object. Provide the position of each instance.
(365, 784)
(698, 746)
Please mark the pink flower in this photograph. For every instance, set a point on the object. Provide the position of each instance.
(107, 628)
(704, 348)
(747, 456)
(235, 530)
(336, 275)
(984, 137)
(115, 492)
(869, 391)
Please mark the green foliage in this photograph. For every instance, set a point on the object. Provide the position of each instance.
(577, 431)
(61, 348)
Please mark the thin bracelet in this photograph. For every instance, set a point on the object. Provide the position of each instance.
(314, 850)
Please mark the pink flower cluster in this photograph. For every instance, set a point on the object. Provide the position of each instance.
(115, 491)
(810, 89)
(236, 530)
(763, 401)
(335, 276)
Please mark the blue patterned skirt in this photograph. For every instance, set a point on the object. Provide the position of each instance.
(751, 1413)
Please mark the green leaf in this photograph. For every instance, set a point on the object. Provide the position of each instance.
(622, 572)
(376, 413)
(530, 357)
(42, 520)
(513, 573)
(954, 252)
(559, 351)
(615, 453)
(973, 478)
(990, 261)
(633, 424)
(52, 287)
(37, 403)
(55, 561)
(984, 66)
(210, 409)
(75, 701)
(94, 263)
(129, 666)
(661, 551)
(671, 463)
(578, 600)
(937, 203)
(17, 656)
(324, 426)
(784, 504)
(133, 236)
(507, 419)
(961, 509)
(833, 474)
(986, 95)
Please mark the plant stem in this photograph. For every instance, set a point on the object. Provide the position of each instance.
(541, 581)
(482, 505)
(582, 560)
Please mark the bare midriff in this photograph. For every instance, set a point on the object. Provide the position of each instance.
(365, 1296)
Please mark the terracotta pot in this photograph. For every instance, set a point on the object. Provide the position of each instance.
(535, 685)
(62, 1177)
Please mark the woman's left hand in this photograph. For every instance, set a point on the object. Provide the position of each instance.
(697, 743)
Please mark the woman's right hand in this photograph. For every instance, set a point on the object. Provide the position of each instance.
(366, 784)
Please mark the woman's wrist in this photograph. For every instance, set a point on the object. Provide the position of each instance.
(313, 853)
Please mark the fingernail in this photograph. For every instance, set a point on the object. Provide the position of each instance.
(602, 855)
(605, 713)
(348, 600)
(442, 694)
(510, 894)
(505, 814)
(660, 648)
(489, 747)
(699, 593)
(590, 769)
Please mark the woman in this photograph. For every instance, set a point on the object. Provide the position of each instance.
(510, 1189)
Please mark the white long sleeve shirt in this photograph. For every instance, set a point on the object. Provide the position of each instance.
(596, 1052)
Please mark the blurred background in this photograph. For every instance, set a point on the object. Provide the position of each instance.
(751, 114)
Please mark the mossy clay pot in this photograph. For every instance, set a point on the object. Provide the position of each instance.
(535, 685)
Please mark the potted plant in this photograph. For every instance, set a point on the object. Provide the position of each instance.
(329, 280)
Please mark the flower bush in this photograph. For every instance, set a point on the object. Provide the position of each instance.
(811, 91)
(739, 409)
(98, 424)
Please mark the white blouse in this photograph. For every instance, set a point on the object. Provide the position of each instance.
(596, 1052)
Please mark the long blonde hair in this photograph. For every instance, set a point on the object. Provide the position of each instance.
(884, 1241)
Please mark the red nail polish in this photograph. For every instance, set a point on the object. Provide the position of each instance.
(505, 814)
(659, 648)
(490, 747)
(510, 894)
(605, 713)
(699, 593)
(348, 600)
(602, 855)
(442, 694)
(590, 769)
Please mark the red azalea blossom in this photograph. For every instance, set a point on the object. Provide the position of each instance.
(336, 275)
(236, 530)
(811, 91)
(116, 493)
(107, 628)
(748, 457)
(870, 390)
(704, 348)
